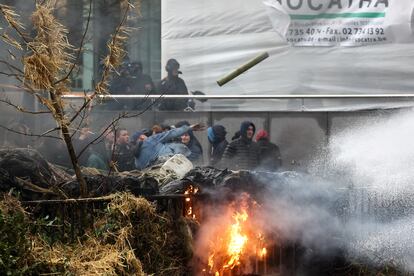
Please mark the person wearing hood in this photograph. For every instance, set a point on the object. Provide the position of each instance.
(172, 85)
(161, 144)
(217, 137)
(270, 158)
(192, 144)
(242, 153)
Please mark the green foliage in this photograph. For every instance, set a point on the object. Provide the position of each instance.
(14, 244)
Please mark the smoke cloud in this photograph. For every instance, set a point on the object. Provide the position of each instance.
(356, 201)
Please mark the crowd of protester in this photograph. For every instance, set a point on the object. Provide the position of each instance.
(148, 146)
(118, 149)
(109, 149)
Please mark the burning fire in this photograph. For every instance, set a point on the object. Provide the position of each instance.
(237, 243)
(189, 210)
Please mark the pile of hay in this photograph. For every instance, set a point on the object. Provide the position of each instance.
(14, 244)
(90, 257)
(163, 245)
(128, 238)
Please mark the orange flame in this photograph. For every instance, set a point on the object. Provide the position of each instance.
(191, 190)
(263, 252)
(234, 243)
(237, 241)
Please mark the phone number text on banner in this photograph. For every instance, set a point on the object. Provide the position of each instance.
(333, 32)
(337, 22)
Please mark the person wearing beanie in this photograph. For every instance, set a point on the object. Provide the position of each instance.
(242, 153)
(217, 137)
(270, 158)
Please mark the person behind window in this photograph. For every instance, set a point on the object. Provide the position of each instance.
(131, 80)
(172, 85)
(140, 84)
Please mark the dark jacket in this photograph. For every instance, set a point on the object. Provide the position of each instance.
(242, 153)
(270, 158)
(138, 86)
(172, 86)
(124, 158)
(217, 138)
(131, 85)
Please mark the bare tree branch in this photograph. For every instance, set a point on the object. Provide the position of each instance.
(29, 134)
(115, 121)
(10, 74)
(83, 116)
(80, 47)
(50, 130)
(21, 109)
(107, 68)
(16, 27)
(11, 66)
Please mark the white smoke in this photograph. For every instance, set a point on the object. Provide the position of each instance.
(378, 154)
(357, 201)
(364, 205)
(377, 158)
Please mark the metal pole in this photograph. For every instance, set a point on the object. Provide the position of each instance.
(258, 97)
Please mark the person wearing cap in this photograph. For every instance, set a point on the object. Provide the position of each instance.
(217, 137)
(270, 158)
(242, 153)
(172, 84)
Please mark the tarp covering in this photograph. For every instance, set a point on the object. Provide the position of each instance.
(212, 38)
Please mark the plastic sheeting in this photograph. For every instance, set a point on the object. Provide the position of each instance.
(212, 38)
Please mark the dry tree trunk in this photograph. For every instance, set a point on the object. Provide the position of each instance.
(69, 145)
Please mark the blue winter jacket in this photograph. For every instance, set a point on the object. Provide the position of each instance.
(159, 145)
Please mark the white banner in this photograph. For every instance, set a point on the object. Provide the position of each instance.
(342, 22)
(212, 38)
